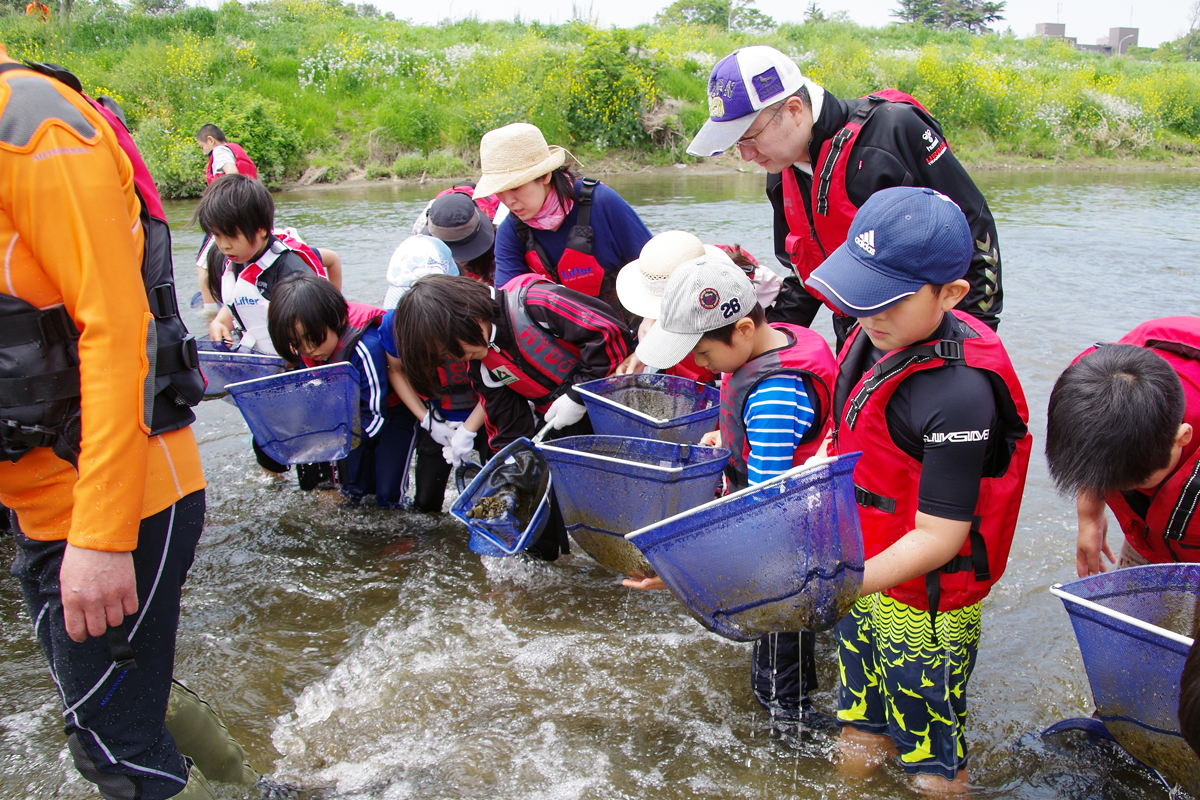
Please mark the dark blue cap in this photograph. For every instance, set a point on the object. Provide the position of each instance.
(900, 240)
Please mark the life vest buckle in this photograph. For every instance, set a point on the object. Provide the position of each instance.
(949, 350)
(162, 301)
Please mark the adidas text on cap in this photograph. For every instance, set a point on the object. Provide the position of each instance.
(740, 85)
(701, 295)
(900, 240)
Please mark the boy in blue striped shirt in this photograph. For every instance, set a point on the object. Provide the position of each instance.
(775, 401)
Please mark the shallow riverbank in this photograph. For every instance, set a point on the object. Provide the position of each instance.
(628, 164)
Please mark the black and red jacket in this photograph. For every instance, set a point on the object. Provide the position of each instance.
(545, 340)
(876, 144)
(1170, 529)
(887, 480)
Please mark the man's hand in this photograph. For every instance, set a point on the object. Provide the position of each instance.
(1093, 536)
(99, 589)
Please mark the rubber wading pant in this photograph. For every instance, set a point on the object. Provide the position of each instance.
(113, 717)
(432, 471)
(783, 673)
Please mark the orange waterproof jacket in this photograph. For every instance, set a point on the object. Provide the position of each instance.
(70, 234)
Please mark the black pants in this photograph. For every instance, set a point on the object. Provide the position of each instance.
(114, 718)
(432, 471)
(783, 673)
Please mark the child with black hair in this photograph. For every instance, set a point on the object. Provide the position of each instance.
(776, 395)
(1121, 432)
(239, 214)
(929, 396)
(528, 344)
(312, 324)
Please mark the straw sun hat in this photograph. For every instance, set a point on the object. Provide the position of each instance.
(640, 283)
(513, 156)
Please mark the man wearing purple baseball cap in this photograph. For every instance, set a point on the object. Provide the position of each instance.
(929, 396)
(825, 157)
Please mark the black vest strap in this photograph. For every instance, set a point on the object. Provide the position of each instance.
(48, 326)
(581, 237)
(888, 368)
(977, 562)
(868, 499)
(840, 139)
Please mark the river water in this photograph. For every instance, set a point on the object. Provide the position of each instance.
(372, 653)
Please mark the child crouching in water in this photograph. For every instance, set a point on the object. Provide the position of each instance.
(312, 324)
(776, 395)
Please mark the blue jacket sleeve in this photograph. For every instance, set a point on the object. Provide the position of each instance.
(510, 254)
(370, 360)
(620, 232)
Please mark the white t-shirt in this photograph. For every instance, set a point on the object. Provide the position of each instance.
(222, 155)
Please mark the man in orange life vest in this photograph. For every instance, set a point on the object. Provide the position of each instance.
(825, 157)
(97, 457)
(1121, 432)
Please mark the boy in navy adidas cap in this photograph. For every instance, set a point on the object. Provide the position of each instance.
(929, 396)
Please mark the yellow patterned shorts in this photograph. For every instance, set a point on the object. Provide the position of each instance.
(896, 682)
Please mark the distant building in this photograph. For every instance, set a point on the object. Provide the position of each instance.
(1118, 41)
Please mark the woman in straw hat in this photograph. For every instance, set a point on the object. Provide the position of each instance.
(575, 231)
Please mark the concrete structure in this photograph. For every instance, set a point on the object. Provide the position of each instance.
(1118, 41)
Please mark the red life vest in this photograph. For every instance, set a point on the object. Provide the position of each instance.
(361, 317)
(832, 211)
(688, 368)
(887, 480)
(806, 355)
(489, 204)
(244, 165)
(1171, 529)
(541, 368)
(454, 378)
(578, 269)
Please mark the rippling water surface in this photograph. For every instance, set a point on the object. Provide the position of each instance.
(371, 652)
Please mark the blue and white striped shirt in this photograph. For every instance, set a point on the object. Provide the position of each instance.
(777, 415)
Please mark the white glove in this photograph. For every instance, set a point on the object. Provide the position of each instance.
(564, 412)
(439, 430)
(459, 448)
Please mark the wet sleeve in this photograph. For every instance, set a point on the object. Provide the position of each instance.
(72, 203)
(586, 322)
(777, 415)
(944, 418)
(510, 255)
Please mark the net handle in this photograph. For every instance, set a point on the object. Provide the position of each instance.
(1058, 592)
(624, 408)
(611, 460)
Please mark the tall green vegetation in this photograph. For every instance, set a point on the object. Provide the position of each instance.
(344, 90)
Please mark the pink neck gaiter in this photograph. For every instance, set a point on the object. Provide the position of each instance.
(551, 214)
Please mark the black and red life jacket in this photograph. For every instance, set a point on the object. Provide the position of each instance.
(541, 368)
(807, 355)
(832, 211)
(578, 269)
(244, 165)
(1170, 531)
(39, 383)
(887, 480)
(454, 378)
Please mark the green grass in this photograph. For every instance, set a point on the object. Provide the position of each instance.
(314, 82)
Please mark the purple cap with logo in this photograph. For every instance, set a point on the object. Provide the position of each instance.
(900, 240)
(742, 84)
